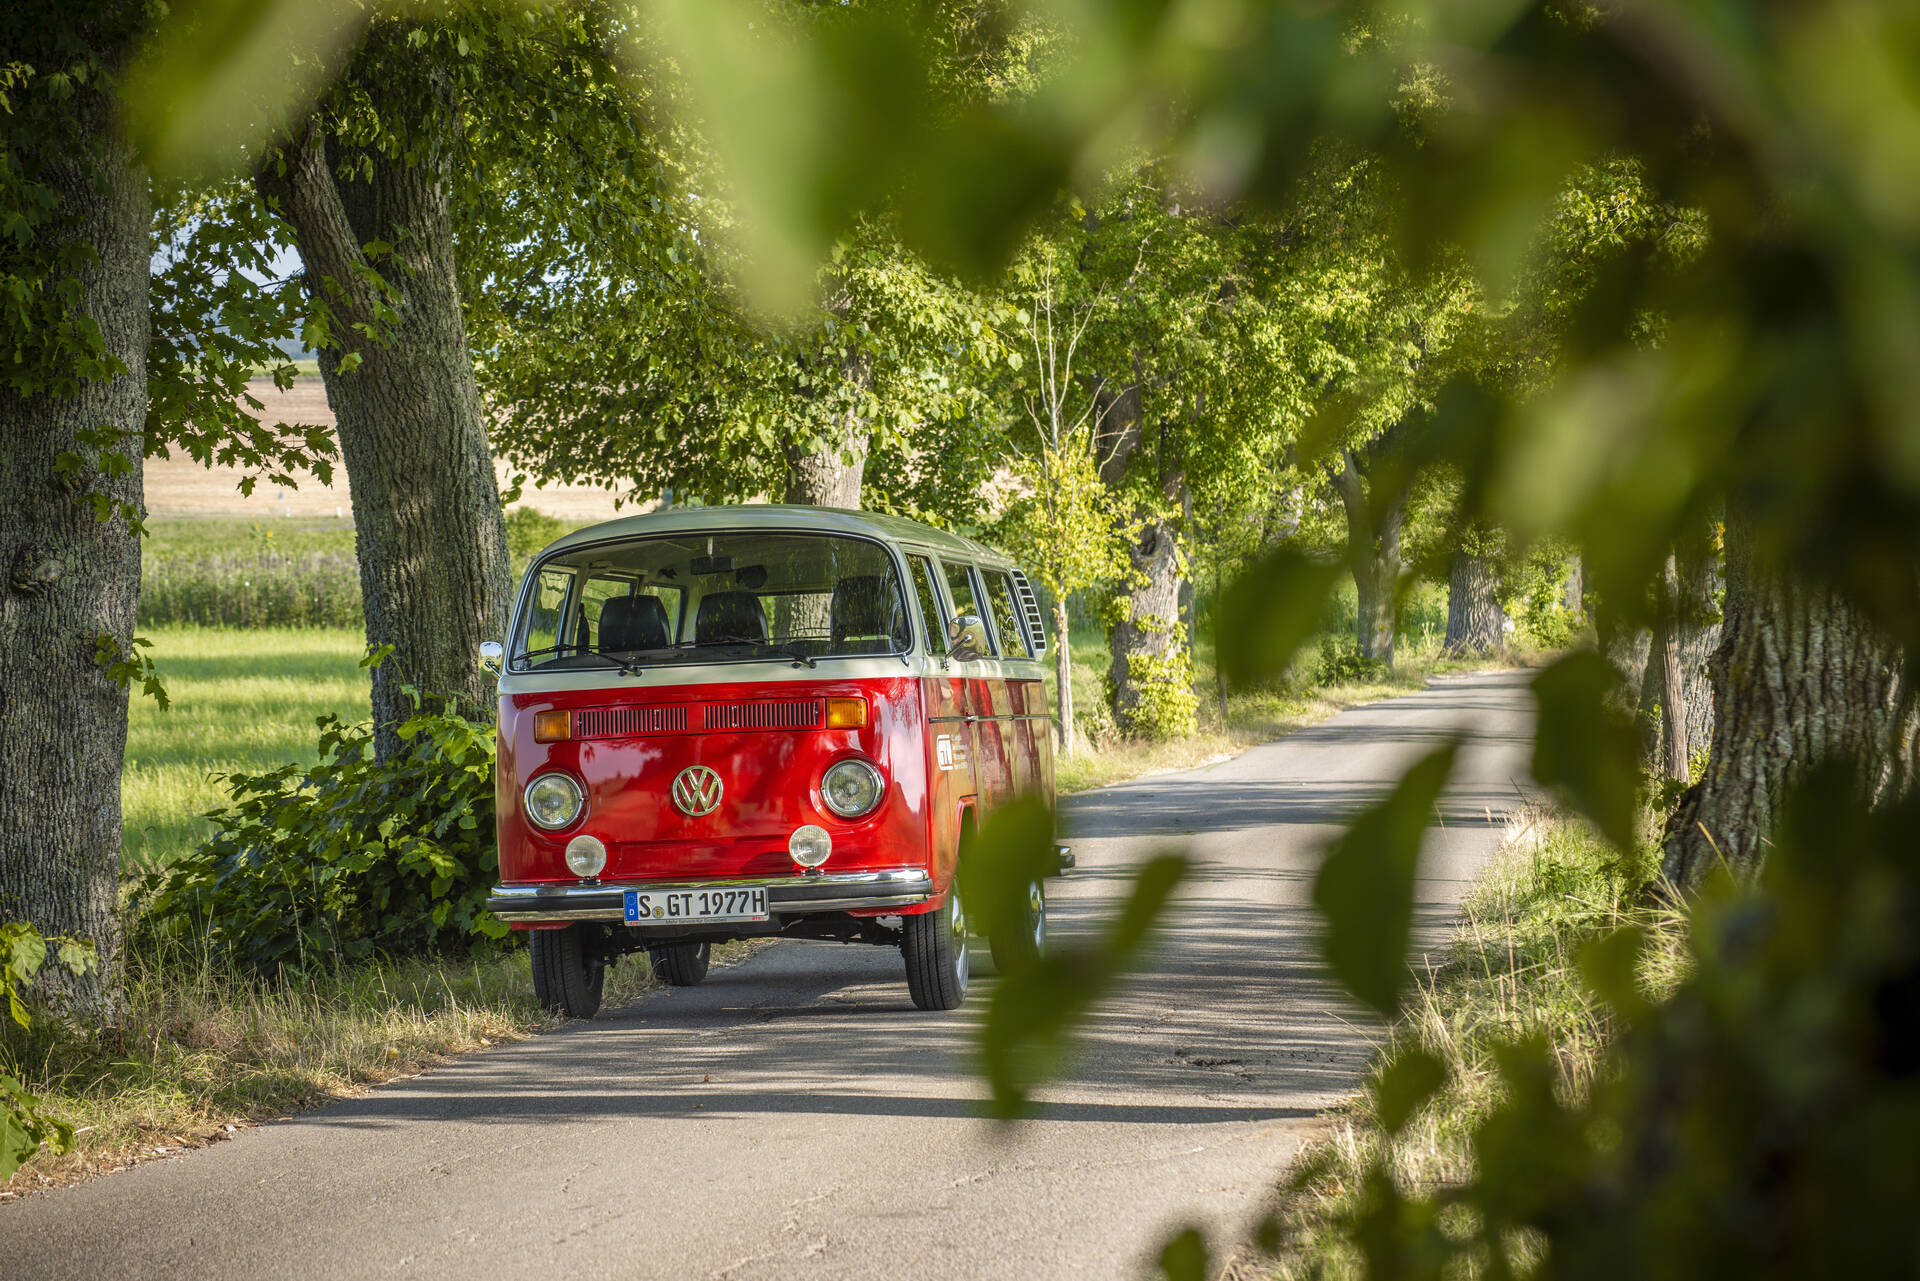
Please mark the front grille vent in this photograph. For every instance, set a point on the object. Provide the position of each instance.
(627, 722)
(762, 715)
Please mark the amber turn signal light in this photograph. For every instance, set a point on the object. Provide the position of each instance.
(846, 713)
(552, 727)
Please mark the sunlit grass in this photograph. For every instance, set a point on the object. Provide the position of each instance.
(1509, 973)
(242, 701)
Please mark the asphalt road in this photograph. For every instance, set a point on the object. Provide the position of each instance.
(795, 1117)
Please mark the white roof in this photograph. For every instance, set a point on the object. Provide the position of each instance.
(892, 529)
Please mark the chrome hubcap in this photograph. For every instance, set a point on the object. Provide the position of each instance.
(957, 918)
(1037, 909)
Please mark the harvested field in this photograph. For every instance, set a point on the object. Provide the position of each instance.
(178, 486)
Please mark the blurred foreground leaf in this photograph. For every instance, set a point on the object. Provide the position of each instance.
(1035, 1009)
(1184, 1257)
(1407, 1082)
(1365, 888)
(1001, 859)
(222, 75)
(1586, 747)
(1270, 611)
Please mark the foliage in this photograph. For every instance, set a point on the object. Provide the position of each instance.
(1164, 704)
(347, 857)
(1341, 662)
(1759, 1119)
(528, 533)
(23, 1126)
(258, 588)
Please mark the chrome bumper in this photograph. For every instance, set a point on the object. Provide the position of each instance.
(786, 895)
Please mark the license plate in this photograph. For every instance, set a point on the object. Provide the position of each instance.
(674, 907)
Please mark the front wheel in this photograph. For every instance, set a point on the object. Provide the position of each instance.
(682, 964)
(935, 946)
(568, 971)
(1026, 938)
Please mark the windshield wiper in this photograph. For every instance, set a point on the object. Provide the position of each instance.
(626, 666)
(799, 659)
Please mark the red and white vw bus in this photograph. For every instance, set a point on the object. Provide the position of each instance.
(730, 722)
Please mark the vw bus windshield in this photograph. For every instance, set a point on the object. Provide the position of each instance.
(713, 598)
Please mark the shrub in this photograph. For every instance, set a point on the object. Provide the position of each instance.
(24, 1128)
(347, 857)
(528, 531)
(1342, 664)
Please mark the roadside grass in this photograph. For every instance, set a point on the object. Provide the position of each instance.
(1509, 973)
(199, 1048)
(242, 701)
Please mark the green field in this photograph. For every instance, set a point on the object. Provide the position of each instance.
(242, 700)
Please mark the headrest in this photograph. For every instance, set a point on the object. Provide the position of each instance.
(633, 622)
(730, 614)
(867, 606)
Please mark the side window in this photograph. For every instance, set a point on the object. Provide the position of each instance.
(960, 591)
(1006, 616)
(546, 611)
(930, 614)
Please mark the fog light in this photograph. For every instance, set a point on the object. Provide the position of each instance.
(809, 846)
(586, 856)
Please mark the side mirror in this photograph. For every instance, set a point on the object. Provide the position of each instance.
(967, 636)
(492, 655)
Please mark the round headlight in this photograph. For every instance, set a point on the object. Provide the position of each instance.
(851, 787)
(554, 800)
(809, 846)
(586, 855)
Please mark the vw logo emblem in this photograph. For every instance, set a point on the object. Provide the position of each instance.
(696, 791)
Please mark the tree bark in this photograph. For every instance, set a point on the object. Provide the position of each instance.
(1475, 621)
(1800, 678)
(72, 584)
(1576, 585)
(1674, 763)
(831, 472)
(1695, 624)
(1063, 676)
(1376, 515)
(1145, 632)
(434, 568)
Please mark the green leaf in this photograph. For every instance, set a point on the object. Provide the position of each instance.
(1365, 887)
(1270, 611)
(1610, 965)
(1184, 1257)
(1585, 746)
(1035, 1009)
(1001, 860)
(1406, 1083)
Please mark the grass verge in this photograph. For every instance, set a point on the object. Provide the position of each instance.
(1508, 974)
(200, 1051)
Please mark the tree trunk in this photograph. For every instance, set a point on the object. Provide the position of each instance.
(1063, 675)
(1696, 626)
(1475, 621)
(830, 473)
(1576, 585)
(1147, 680)
(1147, 637)
(1674, 763)
(1374, 522)
(426, 506)
(1799, 678)
(72, 584)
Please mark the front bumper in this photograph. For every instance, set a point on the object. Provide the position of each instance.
(786, 896)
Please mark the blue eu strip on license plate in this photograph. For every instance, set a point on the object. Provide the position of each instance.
(674, 907)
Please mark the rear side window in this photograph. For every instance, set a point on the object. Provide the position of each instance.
(960, 591)
(921, 570)
(1006, 616)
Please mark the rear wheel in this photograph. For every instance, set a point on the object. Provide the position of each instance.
(1025, 939)
(682, 964)
(935, 946)
(568, 971)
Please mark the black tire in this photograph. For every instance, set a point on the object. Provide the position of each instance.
(568, 973)
(682, 964)
(1023, 946)
(935, 946)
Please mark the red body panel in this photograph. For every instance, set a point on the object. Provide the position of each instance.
(771, 779)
